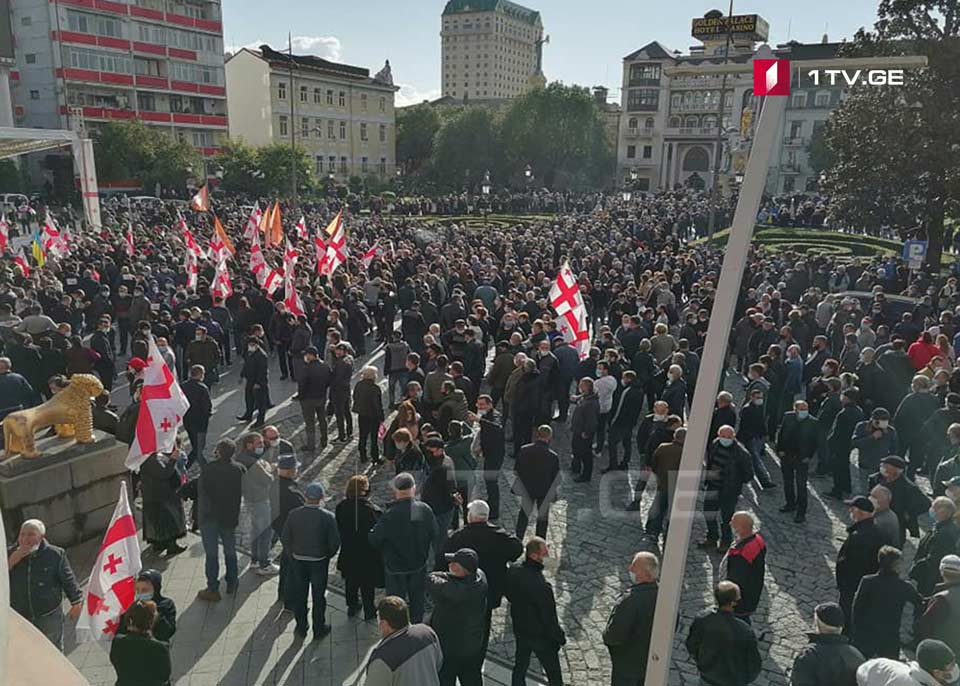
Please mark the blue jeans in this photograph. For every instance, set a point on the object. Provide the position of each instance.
(411, 587)
(212, 535)
(261, 532)
(757, 448)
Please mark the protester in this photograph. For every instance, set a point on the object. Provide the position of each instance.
(829, 659)
(878, 606)
(858, 556)
(936, 665)
(163, 520)
(627, 634)
(139, 658)
(148, 587)
(745, 563)
(407, 654)
(722, 645)
(359, 562)
(220, 491)
(537, 469)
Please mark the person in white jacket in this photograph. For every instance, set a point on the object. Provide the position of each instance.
(605, 386)
(936, 665)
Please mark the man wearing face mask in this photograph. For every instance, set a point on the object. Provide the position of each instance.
(874, 440)
(913, 412)
(147, 588)
(858, 554)
(121, 310)
(258, 483)
(797, 442)
(255, 372)
(936, 665)
(908, 502)
(722, 645)
(728, 467)
(627, 634)
(40, 575)
(675, 392)
(938, 542)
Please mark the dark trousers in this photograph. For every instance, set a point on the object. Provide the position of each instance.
(523, 517)
(794, 470)
(467, 668)
(125, 328)
(283, 353)
(522, 431)
(602, 431)
(310, 578)
(314, 412)
(198, 441)
(341, 408)
(367, 428)
(547, 652)
(563, 405)
(256, 401)
(284, 581)
(620, 436)
(362, 588)
(657, 518)
(411, 587)
(582, 449)
(225, 346)
(718, 508)
(840, 466)
(492, 481)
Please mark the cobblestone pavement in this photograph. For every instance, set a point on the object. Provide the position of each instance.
(592, 541)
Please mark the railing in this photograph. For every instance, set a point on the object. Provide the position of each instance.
(692, 131)
(654, 83)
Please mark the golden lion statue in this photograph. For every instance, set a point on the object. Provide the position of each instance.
(69, 411)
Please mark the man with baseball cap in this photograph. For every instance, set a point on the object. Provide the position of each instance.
(941, 620)
(858, 554)
(936, 665)
(459, 617)
(829, 658)
(311, 539)
(908, 501)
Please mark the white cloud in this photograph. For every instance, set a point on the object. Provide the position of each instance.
(411, 95)
(327, 47)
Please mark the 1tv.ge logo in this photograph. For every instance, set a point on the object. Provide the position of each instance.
(772, 77)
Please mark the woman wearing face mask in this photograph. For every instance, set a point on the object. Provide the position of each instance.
(148, 588)
(163, 520)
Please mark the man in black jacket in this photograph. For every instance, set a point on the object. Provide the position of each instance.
(197, 418)
(722, 645)
(311, 538)
(728, 467)
(829, 660)
(440, 489)
(459, 610)
(797, 443)
(627, 634)
(313, 384)
(533, 611)
(100, 343)
(627, 405)
(908, 501)
(284, 498)
(219, 494)
(495, 548)
(838, 441)
(878, 607)
(493, 448)
(745, 563)
(858, 554)
(939, 541)
(40, 575)
(537, 469)
(255, 372)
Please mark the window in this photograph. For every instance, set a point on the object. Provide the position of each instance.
(196, 73)
(647, 152)
(342, 100)
(319, 164)
(363, 165)
(383, 104)
(303, 93)
(329, 97)
(316, 96)
(203, 139)
(283, 126)
(798, 101)
(147, 102)
(796, 129)
(363, 131)
(282, 90)
(383, 133)
(146, 67)
(343, 165)
(91, 23)
(648, 124)
(331, 164)
(318, 127)
(30, 58)
(305, 128)
(643, 99)
(34, 95)
(343, 130)
(151, 33)
(644, 74)
(383, 166)
(363, 102)
(631, 152)
(26, 20)
(823, 99)
(82, 58)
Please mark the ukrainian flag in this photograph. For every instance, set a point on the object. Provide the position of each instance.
(38, 255)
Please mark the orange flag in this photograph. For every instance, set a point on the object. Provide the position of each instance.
(222, 235)
(274, 228)
(201, 201)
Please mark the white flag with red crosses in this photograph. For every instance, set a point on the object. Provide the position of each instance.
(112, 580)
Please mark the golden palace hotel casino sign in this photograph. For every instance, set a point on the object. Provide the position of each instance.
(744, 26)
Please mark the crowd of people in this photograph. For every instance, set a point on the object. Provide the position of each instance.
(829, 375)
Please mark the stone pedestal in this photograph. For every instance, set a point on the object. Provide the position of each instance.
(73, 488)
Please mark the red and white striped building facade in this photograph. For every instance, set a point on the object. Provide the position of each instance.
(159, 61)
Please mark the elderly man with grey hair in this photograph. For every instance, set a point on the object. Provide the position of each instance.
(627, 634)
(885, 519)
(40, 576)
(368, 404)
(938, 542)
(913, 412)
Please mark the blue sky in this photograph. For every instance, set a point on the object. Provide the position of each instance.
(588, 38)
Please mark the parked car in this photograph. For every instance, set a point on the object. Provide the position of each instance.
(895, 307)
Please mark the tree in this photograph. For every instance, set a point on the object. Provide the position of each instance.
(241, 167)
(277, 161)
(466, 146)
(12, 179)
(133, 150)
(819, 154)
(896, 147)
(416, 128)
(559, 132)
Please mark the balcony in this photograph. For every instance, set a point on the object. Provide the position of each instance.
(794, 141)
(692, 132)
(646, 83)
(634, 132)
(790, 168)
(682, 108)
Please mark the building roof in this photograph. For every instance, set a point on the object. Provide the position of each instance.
(655, 51)
(316, 64)
(808, 51)
(511, 8)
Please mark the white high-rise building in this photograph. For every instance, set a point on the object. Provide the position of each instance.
(491, 49)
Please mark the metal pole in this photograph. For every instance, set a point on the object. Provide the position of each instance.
(711, 371)
(293, 128)
(718, 147)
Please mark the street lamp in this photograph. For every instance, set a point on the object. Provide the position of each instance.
(528, 173)
(486, 183)
(627, 195)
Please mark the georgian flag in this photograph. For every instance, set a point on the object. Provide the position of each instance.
(253, 224)
(565, 293)
(221, 247)
(290, 297)
(189, 240)
(267, 277)
(111, 588)
(4, 232)
(370, 255)
(128, 239)
(302, 228)
(336, 245)
(321, 247)
(222, 287)
(20, 259)
(54, 242)
(190, 267)
(162, 406)
(572, 324)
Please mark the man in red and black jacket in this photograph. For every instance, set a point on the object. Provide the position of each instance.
(745, 563)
